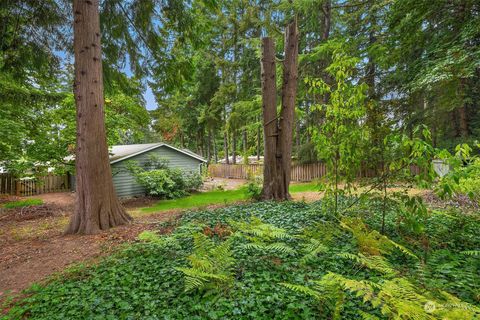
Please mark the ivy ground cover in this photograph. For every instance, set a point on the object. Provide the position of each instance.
(278, 261)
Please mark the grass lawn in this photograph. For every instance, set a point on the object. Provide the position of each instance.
(203, 199)
(22, 203)
(200, 199)
(304, 187)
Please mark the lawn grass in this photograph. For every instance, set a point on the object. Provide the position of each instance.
(23, 203)
(203, 199)
(304, 187)
(200, 199)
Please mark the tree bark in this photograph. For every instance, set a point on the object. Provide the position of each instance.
(209, 146)
(287, 114)
(225, 146)
(462, 111)
(259, 140)
(278, 132)
(234, 146)
(245, 147)
(97, 206)
(270, 128)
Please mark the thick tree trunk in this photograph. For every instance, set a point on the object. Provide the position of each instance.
(278, 133)
(287, 114)
(97, 207)
(270, 132)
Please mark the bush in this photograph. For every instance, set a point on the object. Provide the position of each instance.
(254, 188)
(164, 182)
(159, 183)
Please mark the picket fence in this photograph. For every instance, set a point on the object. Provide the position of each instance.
(299, 172)
(12, 185)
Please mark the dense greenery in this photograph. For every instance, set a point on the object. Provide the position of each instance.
(162, 181)
(279, 260)
(409, 63)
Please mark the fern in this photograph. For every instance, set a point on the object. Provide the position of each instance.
(263, 236)
(396, 298)
(329, 294)
(153, 237)
(258, 229)
(473, 253)
(377, 263)
(279, 247)
(372, 242)
(212, 266)
(303, 290)
(312, 249)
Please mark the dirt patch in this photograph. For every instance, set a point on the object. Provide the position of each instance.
(63, 199)
(459, 201)
(32, 250)
(31, 212)
(222, 184)
(4, 198)
(139, 202)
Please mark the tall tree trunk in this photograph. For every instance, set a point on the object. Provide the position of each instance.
(297, 135)
(270, 129)
(215, 151)
(96, 207)
(234, 146)
(278, 133)
(463, 121)
(225, 146)
(462, 111)
(245, 147)
(209, 146)
(287, 114)
(259, 139)
(327, 19)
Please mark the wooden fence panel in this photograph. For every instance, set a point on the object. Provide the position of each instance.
(305, 172)
(33, 186)
(299, 172)
(7, 183)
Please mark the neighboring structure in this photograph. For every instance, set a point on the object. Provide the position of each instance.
(124, 181)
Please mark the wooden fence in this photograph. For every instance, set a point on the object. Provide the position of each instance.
(299, 172)
(303, 172)
(10, 184)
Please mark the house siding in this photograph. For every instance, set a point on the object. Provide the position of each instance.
(125, 183)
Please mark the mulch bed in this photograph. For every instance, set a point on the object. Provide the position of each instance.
(32, 212)
(138, 202)
(459, 201)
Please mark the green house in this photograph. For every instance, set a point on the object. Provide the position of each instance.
(124, 181)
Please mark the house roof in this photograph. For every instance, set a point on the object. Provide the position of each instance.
(121, 152)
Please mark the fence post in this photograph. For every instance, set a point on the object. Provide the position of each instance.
(17, 188)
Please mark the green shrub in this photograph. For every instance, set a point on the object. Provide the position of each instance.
(23, 203)
(254, 188)
(163, 182)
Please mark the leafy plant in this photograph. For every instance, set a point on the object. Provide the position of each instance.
(372, 242)
(263, 236)
(162, 181)
(212, 266)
